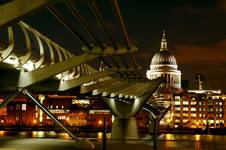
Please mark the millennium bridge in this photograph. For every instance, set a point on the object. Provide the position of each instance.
(103, 66)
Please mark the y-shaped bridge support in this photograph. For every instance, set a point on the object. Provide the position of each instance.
(155, 119)
(124, 125)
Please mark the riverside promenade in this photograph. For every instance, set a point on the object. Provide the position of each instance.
(15, 143)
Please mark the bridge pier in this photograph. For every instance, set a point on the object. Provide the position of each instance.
(124, 129)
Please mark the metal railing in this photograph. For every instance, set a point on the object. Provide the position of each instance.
(167, 144)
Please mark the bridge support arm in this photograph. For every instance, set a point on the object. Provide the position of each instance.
(35, 76)
(9, 98)
(65, 85)
(26, 92)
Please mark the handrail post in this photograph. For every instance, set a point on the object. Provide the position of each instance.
(104, 134)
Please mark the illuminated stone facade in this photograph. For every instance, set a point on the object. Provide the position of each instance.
(199, 109)
(164, 64)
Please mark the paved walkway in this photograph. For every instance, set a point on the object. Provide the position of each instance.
(10, 143)
(13, 143)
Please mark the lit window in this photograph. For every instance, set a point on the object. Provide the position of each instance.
(193, 109)
(193, 115)
(177, 120)
(17, 106)
(185, 109)
(185, 102)
(24, 106)
(200, 115)
(177, 108)
(185, 114)
(177, 97)
(204, 115)
(177, 103)
(220, 103)
(62, 106)
(200, 109)
(193, 103)
(200, 103)
(51, 106)
(185, 120)
(56, 106)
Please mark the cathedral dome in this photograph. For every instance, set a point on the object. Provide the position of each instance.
(164, 64)
(163, 58)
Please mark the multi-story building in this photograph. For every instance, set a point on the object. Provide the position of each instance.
(199, 109)
(70, 110)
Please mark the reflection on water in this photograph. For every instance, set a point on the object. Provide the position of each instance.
(99, 136)
(38, 134)
(66, 136)
(2, 133)
(169, 136)
(23, 134)
(197, 137)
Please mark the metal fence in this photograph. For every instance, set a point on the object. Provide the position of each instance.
(169, 144)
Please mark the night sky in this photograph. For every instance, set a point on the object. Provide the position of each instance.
(195, 30)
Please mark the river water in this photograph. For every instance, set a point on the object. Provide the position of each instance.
(99, 135)
(165, 141)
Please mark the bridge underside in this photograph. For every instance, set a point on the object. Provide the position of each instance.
(41, 65)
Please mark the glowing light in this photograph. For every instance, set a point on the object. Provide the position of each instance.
(66, 136)
(23, 134)
(35, 121)
(99, 135)
(2, 121)
(29, 66)
(38, 134)
(58, 76)
(100, 122)
(81, 102)
(169, 137)
(2, 132)
(112, 118)
(197, 137)
(67, 118)
(13, 60)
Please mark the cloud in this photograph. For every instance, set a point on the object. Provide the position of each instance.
(209, 60)
(215, 53)
(221, 4)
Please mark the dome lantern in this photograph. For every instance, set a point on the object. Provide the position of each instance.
(164, 42)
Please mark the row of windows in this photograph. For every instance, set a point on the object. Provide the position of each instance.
(199, 103)
(57, 107)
